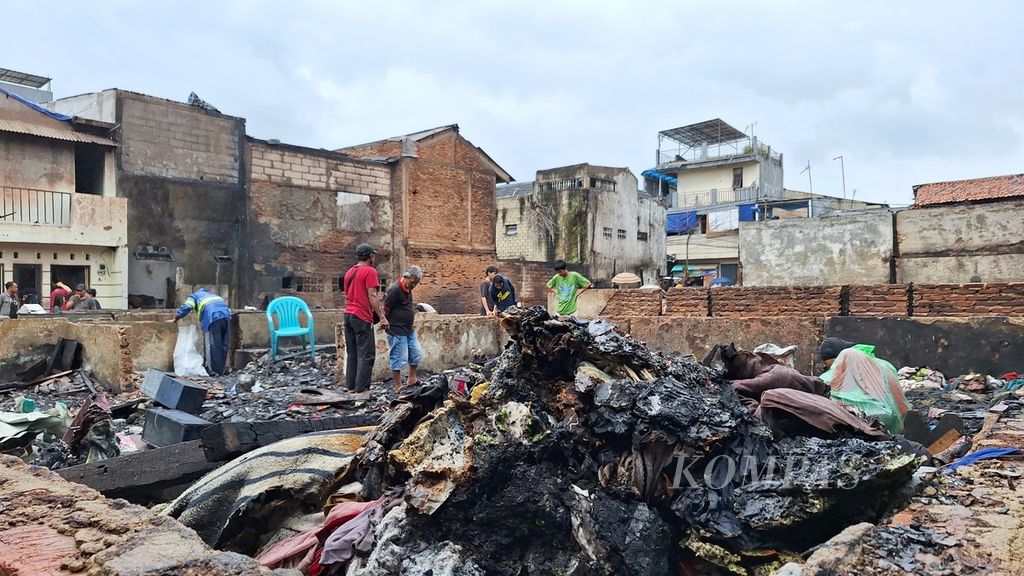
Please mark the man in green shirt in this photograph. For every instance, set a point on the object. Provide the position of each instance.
(567, 287)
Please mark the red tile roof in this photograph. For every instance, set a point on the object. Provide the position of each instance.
(991, 188)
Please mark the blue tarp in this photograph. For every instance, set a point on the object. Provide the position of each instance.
(672, 180)
(748, 212)
(681, 222)
(36, 107)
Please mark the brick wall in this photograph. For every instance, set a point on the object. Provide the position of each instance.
(879, 300)
(770, 302)
(174, 140)
(291, 167)
(451, 278)
(686, 302)
(634, 302)
(530, 279)
(308, 210)
(969, 299)
(883, 300)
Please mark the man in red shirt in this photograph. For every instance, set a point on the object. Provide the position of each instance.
(362, 298)
(61, 293)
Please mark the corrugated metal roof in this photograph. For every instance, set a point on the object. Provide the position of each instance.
(54, 132)
(514, 190)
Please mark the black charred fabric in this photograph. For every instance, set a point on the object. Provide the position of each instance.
(613, 473)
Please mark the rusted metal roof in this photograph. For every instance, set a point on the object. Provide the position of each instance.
(977, 189)
(54, 132)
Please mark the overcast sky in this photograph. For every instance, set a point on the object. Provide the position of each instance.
(907, 92)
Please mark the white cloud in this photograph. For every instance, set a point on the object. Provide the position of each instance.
(908, 92)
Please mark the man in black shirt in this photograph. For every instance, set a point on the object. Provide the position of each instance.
(400, 311)
(486, 304)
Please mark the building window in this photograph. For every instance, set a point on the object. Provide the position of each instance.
(607, 232)
(737, 178)
(622, 234)
(641, 236)
(563, 184)
(600, 184)
(511, 229)
(307, 284)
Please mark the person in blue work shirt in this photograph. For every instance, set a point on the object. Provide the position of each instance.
(215, 318)
(503, 294)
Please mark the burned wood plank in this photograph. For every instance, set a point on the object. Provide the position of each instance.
(230, 439)
(43, 380)
(149, 467)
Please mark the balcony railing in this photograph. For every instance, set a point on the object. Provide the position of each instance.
(712, 197)
(28, 206)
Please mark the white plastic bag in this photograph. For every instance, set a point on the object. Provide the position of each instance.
(188, 355)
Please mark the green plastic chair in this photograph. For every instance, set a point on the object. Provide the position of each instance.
(287, 309)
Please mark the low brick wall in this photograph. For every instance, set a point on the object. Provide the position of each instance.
(879, 300)
(633, 302)
(969, 299)
(773, 302)
(687, 302)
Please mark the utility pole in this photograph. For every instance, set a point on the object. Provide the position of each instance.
(810, 184)
(842, 166)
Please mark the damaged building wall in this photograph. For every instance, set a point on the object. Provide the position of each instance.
(180, 168)
(36, 163)
(446, 196)
(308, 210)
(592, 216)
(945, 244)
(960, 243)
(106, 348)
(846, 249)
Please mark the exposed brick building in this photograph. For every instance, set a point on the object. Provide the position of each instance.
(308, 209)
(253, 219)
(445, 206)
(181, 167)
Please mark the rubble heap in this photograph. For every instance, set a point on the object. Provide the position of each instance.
(586, 453)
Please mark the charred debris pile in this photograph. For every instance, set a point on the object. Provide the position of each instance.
(579, 451)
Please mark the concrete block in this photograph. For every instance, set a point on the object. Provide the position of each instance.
(172, 392)
(165, 427)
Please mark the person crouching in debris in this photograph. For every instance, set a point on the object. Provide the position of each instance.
(400, 311)
(503, 294)
(567, 287)
(857, 378)
(362, 310)
(215, 320)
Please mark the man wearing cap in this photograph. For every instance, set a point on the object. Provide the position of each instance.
(362, 310)
(81, 300)
(215, 320)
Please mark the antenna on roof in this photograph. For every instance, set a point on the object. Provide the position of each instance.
(808, 170)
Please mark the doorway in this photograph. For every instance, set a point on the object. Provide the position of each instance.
(29, 278)
(70, 275)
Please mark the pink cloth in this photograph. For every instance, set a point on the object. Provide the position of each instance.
(302, 544)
